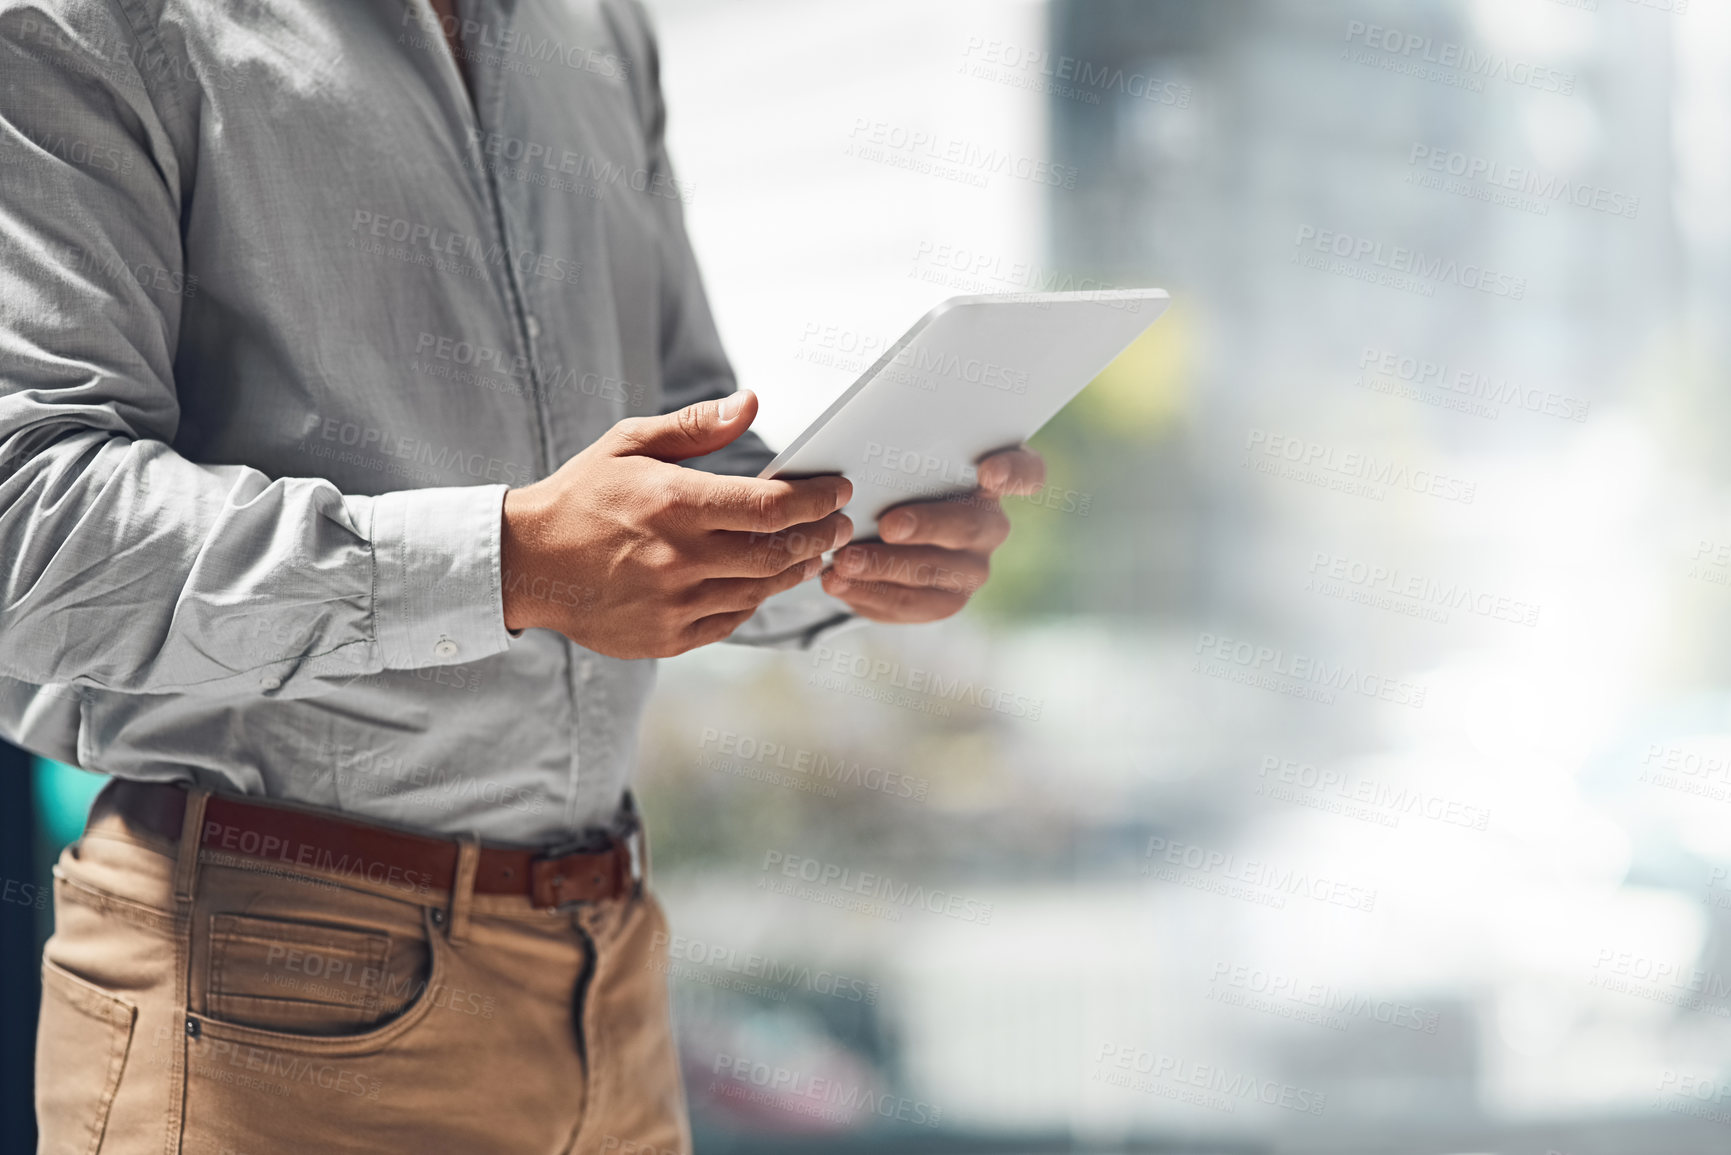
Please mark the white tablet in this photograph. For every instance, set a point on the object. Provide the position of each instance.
(973, 376)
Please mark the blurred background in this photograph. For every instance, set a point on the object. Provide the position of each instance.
(1340, 758)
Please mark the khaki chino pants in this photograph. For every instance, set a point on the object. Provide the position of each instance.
(209, 1004)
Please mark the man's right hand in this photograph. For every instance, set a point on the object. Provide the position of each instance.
(632, 556)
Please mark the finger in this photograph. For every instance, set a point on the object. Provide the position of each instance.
(919, 566)
(967, 523)
(760, 505)
(714, 628)
(689, 432)
(737, 554)
(884, 602)
(729, 595)
(1019, 471)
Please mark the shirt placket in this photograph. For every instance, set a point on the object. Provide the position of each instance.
(480, 113)
(484, 111)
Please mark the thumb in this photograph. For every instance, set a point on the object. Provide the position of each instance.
(690, 432)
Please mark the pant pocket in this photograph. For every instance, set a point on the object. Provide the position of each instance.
(82, 1042)
(310, 978)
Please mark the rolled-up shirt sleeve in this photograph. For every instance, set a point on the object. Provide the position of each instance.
(123, 564)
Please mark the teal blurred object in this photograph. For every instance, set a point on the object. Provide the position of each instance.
(63, 796)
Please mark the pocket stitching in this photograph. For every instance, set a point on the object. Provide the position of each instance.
(375, 948)
(364, 1043)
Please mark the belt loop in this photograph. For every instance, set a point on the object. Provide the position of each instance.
(463, 889)
(191, 838)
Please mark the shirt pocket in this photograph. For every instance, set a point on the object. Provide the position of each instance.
(309, 978)
(81, 1046)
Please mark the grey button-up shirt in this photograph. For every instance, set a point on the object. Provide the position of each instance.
(282, 314)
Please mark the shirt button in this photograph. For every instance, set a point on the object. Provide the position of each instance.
(534, 328)
(270, 682)
(445, 648)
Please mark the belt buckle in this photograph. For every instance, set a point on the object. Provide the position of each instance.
(585, 846)
(542, 863)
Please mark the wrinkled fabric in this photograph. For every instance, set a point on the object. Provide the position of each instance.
(283, 312)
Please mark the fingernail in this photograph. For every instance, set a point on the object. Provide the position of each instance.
(843, 493)
(843, 535)
(732, 404)
(897, 527)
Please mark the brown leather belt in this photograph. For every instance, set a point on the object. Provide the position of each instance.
(398, 859)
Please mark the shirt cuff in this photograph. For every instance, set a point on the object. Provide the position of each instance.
(436, 594)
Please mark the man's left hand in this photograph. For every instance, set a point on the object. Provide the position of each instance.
(934, 554)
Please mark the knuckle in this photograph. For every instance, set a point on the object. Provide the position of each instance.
(629, 429)
(690, 423)
(661, 499)
(766, 510)
(664, 560)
